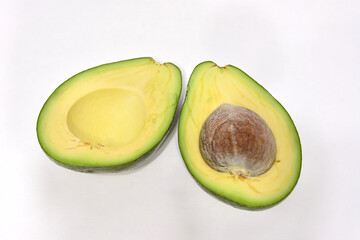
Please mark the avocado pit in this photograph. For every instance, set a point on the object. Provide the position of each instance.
(236, 140)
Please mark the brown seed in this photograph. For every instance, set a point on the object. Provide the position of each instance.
(235, 139)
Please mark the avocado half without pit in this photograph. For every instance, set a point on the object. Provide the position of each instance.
(107, 117)
(236, 140)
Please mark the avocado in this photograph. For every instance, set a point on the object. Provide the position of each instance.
(109, 116)
(236, 139)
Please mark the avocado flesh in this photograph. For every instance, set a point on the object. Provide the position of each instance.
(211, 86)
(110, 115)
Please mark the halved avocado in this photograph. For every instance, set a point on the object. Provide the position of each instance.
(105, 118)
(230, 128)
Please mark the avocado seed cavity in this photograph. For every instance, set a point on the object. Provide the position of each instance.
(236, 140)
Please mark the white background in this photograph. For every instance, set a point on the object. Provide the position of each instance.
(306, 53)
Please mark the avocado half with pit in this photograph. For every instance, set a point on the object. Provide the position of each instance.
(236, 140)
(105, 118)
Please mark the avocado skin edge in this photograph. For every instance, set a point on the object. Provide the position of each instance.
(222, 198)
(135, 164)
